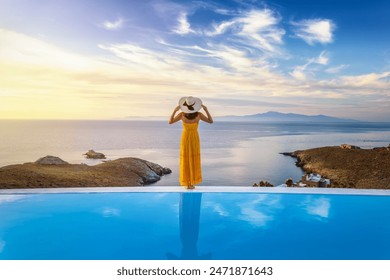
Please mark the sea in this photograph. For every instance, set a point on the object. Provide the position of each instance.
(233, 153)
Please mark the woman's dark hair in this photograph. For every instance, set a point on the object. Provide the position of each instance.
(191, 116)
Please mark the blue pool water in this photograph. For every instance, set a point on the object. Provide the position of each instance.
(219, 226)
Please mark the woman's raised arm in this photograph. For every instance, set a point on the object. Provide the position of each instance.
(207, 119)
(174, 119)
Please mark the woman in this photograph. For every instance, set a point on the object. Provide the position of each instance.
(190, 167)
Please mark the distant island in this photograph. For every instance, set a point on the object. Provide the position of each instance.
(270, 116)
(273, 116)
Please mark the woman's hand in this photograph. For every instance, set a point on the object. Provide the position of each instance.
(208, 119)
(174, 118)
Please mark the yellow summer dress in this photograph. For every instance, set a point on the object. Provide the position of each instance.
(190, 168)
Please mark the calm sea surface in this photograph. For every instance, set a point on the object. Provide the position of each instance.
(232, 153)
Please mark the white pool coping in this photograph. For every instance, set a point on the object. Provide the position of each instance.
(199, 189)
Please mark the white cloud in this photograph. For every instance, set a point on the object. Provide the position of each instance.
(321, 59)
(113, 25)
(258, 29)
(230, 58)
(224, 11)
(315, 30)
(299, 73)
(24, 49)
(233, 58)
(144, 60)
(336, 69)
(37, 74)
(221, 28)
(183, 27)
(367, 81)
(303, 72)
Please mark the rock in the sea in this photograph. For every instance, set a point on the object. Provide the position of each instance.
(291, 154)
(289, 182)
(380, 149)
(158, 169)
(166, 170)
(263, 184)
(51, 160)
(94, 155)
(150, 178)
(349, 147)
(147, 172)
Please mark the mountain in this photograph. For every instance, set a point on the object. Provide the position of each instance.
(272, 116)
(147, 118)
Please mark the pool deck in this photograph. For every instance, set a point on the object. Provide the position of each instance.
(201, 189)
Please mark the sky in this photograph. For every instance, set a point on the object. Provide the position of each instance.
(111, 59)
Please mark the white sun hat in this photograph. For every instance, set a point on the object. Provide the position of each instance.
(189, 104)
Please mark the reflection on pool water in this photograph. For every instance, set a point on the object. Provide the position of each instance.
(194, 226)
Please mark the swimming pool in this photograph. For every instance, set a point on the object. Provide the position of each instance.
(194, 225)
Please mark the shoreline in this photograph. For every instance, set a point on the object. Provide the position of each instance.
(347, 166)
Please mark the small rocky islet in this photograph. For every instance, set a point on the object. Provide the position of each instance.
(53, 172)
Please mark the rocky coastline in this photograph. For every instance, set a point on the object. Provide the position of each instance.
(53, 172)
(348, 166)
